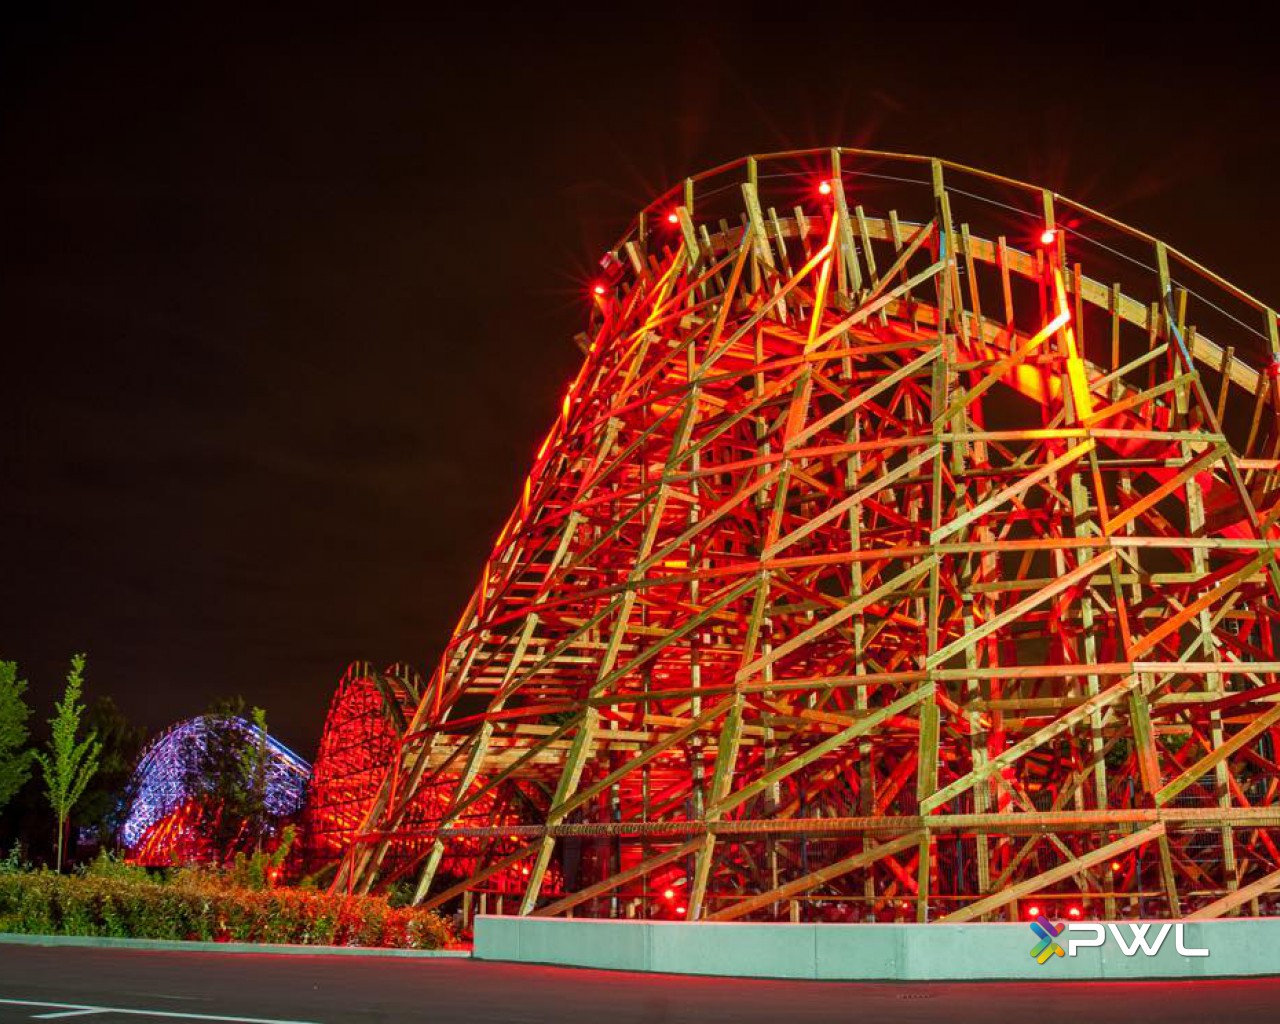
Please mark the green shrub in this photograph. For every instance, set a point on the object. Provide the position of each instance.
(261, 869)
(108, 865)
(206, 906)
(15, 862)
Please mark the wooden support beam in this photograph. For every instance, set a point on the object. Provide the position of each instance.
(1206, 764)
(813, 879)
(1245, 894)
(614, 881)
(1009, 756)
(1035, 884)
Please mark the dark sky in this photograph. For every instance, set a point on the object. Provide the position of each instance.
(286, 301)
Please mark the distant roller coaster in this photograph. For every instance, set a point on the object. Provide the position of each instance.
(362, 735)
(362, 732)
(904, 549)
(166, 823)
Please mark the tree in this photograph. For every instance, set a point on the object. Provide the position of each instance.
(69, 764)
(104, 802)
(225, 770)
(15, 760)
(255, 761)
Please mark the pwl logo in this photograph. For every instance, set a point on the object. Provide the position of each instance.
(1048, 933)
(1049, 946)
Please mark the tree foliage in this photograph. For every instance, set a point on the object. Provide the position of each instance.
(70, 763)
(225, 769)
(105, 801)
(15, 759)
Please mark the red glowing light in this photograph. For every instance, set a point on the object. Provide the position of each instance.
(1033, 911)
(1048, 236)
(673, 218)
(679, 910)
(670, 894)
(825, 188)
(360, 740)
(599, 289)
(524, 871)
(1073, 912)
(1115, 865)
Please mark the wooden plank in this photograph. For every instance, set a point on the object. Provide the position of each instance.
(815, 878)
(819, 750)
(1065, 582)
(621, 878)
(1206, 764)
(1020, 749)
(1219, 907)
(1054, 875)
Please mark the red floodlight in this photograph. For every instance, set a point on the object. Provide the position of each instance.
(673, 217)
(825, 188)
(1047, 237)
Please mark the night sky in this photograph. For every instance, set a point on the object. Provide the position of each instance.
(286, 301)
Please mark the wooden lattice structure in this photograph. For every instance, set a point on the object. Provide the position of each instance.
(363, 731)
(904, 549)
(366, 720)
(169, 820)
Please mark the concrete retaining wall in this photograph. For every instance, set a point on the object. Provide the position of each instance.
(898, 952)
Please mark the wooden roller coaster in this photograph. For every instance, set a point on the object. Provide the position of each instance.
(904, 549)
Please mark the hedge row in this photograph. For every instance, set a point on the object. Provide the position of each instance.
(44, 903)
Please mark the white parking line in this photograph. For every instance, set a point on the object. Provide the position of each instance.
(83, 1010)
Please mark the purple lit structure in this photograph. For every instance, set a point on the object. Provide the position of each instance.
(165, 823)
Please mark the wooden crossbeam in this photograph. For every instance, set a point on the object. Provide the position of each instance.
(1232, 900)
(621, 878)
(1219, 754)
(815, 878)
(1014, 490)
(818, 750)
(1028, 886)
(896, 584)
(1046, 593)
(1009, 756)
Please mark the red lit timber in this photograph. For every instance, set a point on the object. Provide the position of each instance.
(362, 732)
(874, 568)
(180, 837)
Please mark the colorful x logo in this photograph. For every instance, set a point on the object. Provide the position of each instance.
(1048, 933)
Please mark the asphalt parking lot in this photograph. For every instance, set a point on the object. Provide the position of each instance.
(115, 985)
